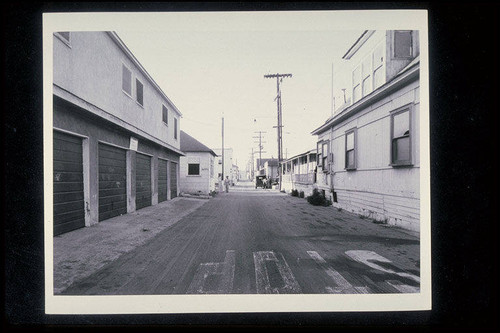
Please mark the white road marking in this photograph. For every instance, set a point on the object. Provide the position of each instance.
(222, 271)
(343, 286)
(263, 283)
(364, 257)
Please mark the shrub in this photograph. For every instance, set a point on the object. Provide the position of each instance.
(295, 193)
(301, 194)
(318, 199)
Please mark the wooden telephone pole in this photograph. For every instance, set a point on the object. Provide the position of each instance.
(279, 127)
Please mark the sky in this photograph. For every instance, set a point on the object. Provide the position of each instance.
(217, 72)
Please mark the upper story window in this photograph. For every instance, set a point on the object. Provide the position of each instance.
(356, 84)
(164, 113)
(64, 36)
(366, 71)
(126, 80)
(139, 88)
(401, 136)
(175, 128)
(324, 156)
(378, 66)
(403, 44)
(350, 150)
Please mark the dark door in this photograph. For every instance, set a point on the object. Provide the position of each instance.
(143, 181)
(173, 180)
(112, 181)
(162, 180)
(69, 207)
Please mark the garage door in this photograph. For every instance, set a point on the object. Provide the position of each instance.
(162, 180)
(143, 181)
(112, 181)
(173, 180)
(68, 183)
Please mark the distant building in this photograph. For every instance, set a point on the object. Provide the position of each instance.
(299, 173)
(115, 132)
(228, 163)
(197, 167)
(368, 152)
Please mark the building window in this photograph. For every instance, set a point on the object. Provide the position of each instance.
(211, 168)
(350, 150)
(403, 44)
(126, 80)
(139, 88)
(378, 66)
(401, 137)
(175, 128)
(356, 84)
(366, 71)
(164, 113)
(193, 169)
(324, 156)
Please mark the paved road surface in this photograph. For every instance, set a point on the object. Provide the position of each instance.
(252, 241)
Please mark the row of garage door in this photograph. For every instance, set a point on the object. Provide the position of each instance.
(112, 169)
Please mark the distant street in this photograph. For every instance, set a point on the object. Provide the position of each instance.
(252, 241)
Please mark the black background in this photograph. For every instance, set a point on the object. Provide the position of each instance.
(463, 53)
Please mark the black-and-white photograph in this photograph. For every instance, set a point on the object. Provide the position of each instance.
(236, 162)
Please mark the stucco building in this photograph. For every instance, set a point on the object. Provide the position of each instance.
(197, 167)
(116, 142)
(368, 151)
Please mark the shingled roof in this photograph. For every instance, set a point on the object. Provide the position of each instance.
(190, 144)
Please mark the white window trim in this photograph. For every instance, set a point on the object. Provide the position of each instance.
(131, 79)
(163, 121)
(355, 149)
(408, 107)
(141, 105)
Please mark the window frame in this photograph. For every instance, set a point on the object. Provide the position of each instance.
(393, 53)
(131, 77)
(324, 159)
(137, 92)
(357, 83)
(164, 114)
(402, 163)
(354, 132)
(194, 174)
(175, 128)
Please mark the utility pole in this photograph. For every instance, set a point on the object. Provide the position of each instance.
(260, 146)
(222, 148)
(279, 79)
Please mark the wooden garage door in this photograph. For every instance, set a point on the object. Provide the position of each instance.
(68, 183)
(143, 194)
(112, 181)
(162, 180)
(173, 180)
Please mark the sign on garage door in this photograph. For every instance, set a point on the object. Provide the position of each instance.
(68, 183)
(112, 181)
(173, 180)
(162, 180)
(143, 181)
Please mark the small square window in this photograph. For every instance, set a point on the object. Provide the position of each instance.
(164, 114)
(139, 92)
(403, 44)
(193, 169)
(126, 80)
